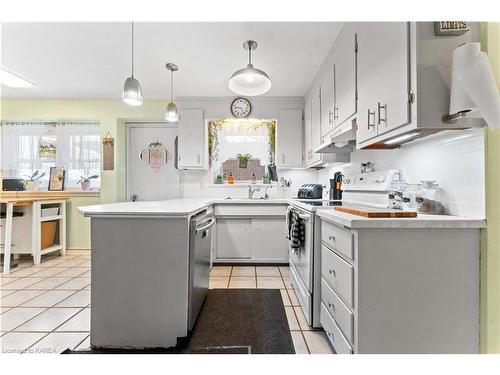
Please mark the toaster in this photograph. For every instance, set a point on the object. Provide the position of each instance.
(310, 191)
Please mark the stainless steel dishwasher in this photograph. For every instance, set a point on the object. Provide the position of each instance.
(200, 248)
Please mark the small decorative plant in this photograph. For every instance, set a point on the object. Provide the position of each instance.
(243, 159)
(31, 182)
(219, 179)
(85, 181)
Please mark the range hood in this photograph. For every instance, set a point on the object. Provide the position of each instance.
(341, 140)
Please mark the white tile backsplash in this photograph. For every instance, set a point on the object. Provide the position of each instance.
(455, 159)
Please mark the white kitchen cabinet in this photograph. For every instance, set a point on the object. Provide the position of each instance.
(399, 290)
(315, 124)
(251, 233)
(233, 238)
(328, 101)
(403, 81)
(383, 53)
(289, 139)
(345, 78)
(268, 239)
(192, 144)
(307, 152)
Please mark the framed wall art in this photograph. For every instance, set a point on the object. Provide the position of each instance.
(56, 179)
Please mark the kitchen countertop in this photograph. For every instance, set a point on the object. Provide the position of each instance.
(166, 208)
(188, 207)
(421, 221)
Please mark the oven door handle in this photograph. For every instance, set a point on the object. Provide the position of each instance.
(304, 217)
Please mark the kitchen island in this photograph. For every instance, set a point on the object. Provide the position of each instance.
(149, 275)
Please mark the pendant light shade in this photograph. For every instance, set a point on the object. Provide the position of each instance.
(172, 114)
(250, 81)
(132, 91)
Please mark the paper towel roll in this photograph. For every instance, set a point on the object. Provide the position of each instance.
(479, 82)
(473, 87)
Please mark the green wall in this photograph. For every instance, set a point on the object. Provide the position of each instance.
(490, 255)
(112, 115)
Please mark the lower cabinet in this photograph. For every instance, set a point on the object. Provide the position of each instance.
(254, 239)
(400, 290)
(233, 238)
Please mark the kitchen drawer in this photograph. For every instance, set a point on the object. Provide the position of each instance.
(250, 210)
(338, 273)
(339, 342)
(338, 310)
(337, 238)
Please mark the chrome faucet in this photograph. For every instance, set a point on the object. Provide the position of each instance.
(266, 196)
(252, 190)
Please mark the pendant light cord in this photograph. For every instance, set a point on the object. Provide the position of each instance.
(171, 85)
(132, 50)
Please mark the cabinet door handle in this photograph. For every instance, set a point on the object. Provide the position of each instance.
(336, 113)
(380, 119)
(331, 238)
(199, 158)
(283, 158)
(331, 306)
(330, 117)
(370, 114)
(331, 271)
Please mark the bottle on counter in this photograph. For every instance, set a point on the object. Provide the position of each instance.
(429, 198)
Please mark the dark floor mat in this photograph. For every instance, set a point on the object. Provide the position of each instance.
(240, 321)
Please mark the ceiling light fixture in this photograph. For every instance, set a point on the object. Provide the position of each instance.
(172, 115)
(401, 138)
(250, 81)
(13, 80)
(132, 91)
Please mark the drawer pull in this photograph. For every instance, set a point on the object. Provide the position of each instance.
(331, 238)
(331, 271)
(331, 306)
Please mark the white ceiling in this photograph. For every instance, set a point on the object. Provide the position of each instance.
(92, 60)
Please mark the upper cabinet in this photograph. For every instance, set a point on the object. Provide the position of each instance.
(381, 81)
(192, 144)
(384, 78)
(345, 78)
(404, 82)
(327, 101)
(289, 139)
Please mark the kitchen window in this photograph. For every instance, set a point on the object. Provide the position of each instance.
(72, 145)
(242, 148)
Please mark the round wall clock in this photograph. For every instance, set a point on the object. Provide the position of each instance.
(241, 107)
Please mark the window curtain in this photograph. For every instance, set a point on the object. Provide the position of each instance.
(77, 149)
(20, 148)
(241, 138)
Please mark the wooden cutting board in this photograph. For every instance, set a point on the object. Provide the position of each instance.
(375, 213)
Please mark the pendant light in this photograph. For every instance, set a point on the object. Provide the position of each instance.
(250, 81)
(132, 92)
(171, 115)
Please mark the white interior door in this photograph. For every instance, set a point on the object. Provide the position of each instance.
(144, 181)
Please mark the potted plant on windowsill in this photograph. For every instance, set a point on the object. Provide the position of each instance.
(219, 179)
(32, 182)
(85, 181)
(243, 159)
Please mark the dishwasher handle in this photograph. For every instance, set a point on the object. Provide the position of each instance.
(205, 227)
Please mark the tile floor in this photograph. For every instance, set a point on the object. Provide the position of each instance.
(46, 308)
